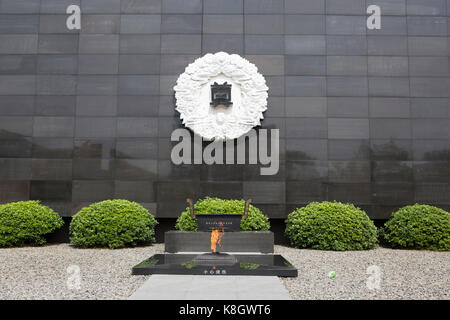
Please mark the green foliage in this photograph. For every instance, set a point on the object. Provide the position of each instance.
(418, 226)
(256, 220)
(331, 226)
(26, 222)
(113, 224)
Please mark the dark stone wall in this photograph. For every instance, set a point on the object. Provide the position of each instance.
(364, 115)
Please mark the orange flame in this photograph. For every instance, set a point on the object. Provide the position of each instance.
(216, 239)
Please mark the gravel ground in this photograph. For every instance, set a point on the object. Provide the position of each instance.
(404, 274)
(41, 273)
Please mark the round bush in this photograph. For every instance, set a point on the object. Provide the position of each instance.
(26, 222)
(418, 226)
(331, 226)
(256, 220)
(113, 224)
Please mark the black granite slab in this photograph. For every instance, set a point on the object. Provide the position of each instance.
(207, 264)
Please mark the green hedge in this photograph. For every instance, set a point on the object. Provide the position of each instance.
(331, 226)
(418, 226)
(26, 222)
(256, 220)
(113, 224)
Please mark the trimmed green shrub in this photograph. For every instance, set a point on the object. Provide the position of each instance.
(113, 224)
(256, 220)
(331, 226)
(418, 226)
(26, 222)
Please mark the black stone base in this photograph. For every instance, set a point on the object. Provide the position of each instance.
(217, 264)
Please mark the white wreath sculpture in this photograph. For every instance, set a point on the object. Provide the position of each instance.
(209, 124)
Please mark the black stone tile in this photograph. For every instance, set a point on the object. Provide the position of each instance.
(391, 149)
(51, 148)
(140, 191)
(96, 106)
(431, 150)
(181, 6)
(393, 193)
(431, 171)
(348, 107)
(315, 128)
(217, 172)
(221, 7)
(94, 148)
(140, 44)
(100, 6)
(17, 64)
(357, 193)
(177, 191)
(305, 45)
(136, 24)
(93, 169)
(181, 23)
(306, 149)
(392, 171)
(92, 190)
(97, 85)
(55, 105)
(14, 191)
(349, 149)
(167, 171)
(307, 170)
(136, 169)
(343, 128)
(15, 147)
(140, 6)
(20, 6)
(137, 106)
(305, 24)
(95, 127)
(59, 43)
(224, 190)
(264, 191)
(432, 193)
(137, 127)
(51, 169)
(390, 128)
(18, 85)
(96, 23)
(16, 127)
(261, 24)
(98, 64)
(305, 65)
(133, 148)
(99, 44)
(387, 45)
(231, 43)
(181, 44)
(349, 171)
(18, 43)
(138, 85)
(53, 127)
(304, 192)
(229, 24)
(264, 44)
(263, 7)
(17, 105)
(51, 190)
